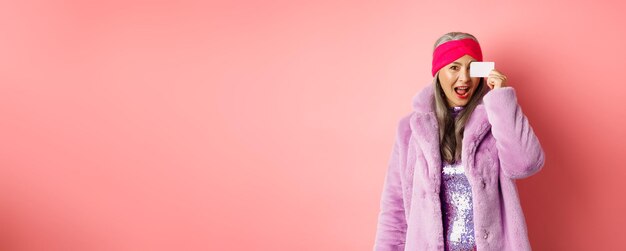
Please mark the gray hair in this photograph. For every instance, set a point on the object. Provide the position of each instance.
(455, 35)
(450, 129)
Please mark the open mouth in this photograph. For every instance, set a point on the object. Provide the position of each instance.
(462, 91)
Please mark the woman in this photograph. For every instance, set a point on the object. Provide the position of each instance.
(450, 183)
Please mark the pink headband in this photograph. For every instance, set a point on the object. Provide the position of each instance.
(452, 50)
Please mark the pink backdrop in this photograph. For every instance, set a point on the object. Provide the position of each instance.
(187, 125)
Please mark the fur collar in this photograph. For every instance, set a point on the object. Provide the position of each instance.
(423, 124)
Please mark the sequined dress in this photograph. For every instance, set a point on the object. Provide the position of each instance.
(456, 204)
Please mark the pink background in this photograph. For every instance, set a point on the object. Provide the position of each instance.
(171, 125)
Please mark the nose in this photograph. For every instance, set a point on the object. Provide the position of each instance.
(464, 75)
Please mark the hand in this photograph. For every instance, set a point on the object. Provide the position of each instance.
(496, 80)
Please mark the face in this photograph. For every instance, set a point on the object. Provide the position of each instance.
(454, 77)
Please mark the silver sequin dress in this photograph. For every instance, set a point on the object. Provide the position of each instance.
(456, 205)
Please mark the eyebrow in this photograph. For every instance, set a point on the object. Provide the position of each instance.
(460, 63)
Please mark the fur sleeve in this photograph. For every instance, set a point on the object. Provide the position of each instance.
(519, 150)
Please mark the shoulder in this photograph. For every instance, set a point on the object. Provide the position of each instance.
(403, 128)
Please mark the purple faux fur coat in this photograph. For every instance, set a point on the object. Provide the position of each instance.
(499, 146)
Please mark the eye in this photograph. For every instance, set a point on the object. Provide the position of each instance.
(454, 67)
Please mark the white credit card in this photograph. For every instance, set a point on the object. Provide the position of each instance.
(481, 69)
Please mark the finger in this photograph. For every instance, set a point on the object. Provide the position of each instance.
(495, 82)
(494, 78)
(497, 77)
(495, 71)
